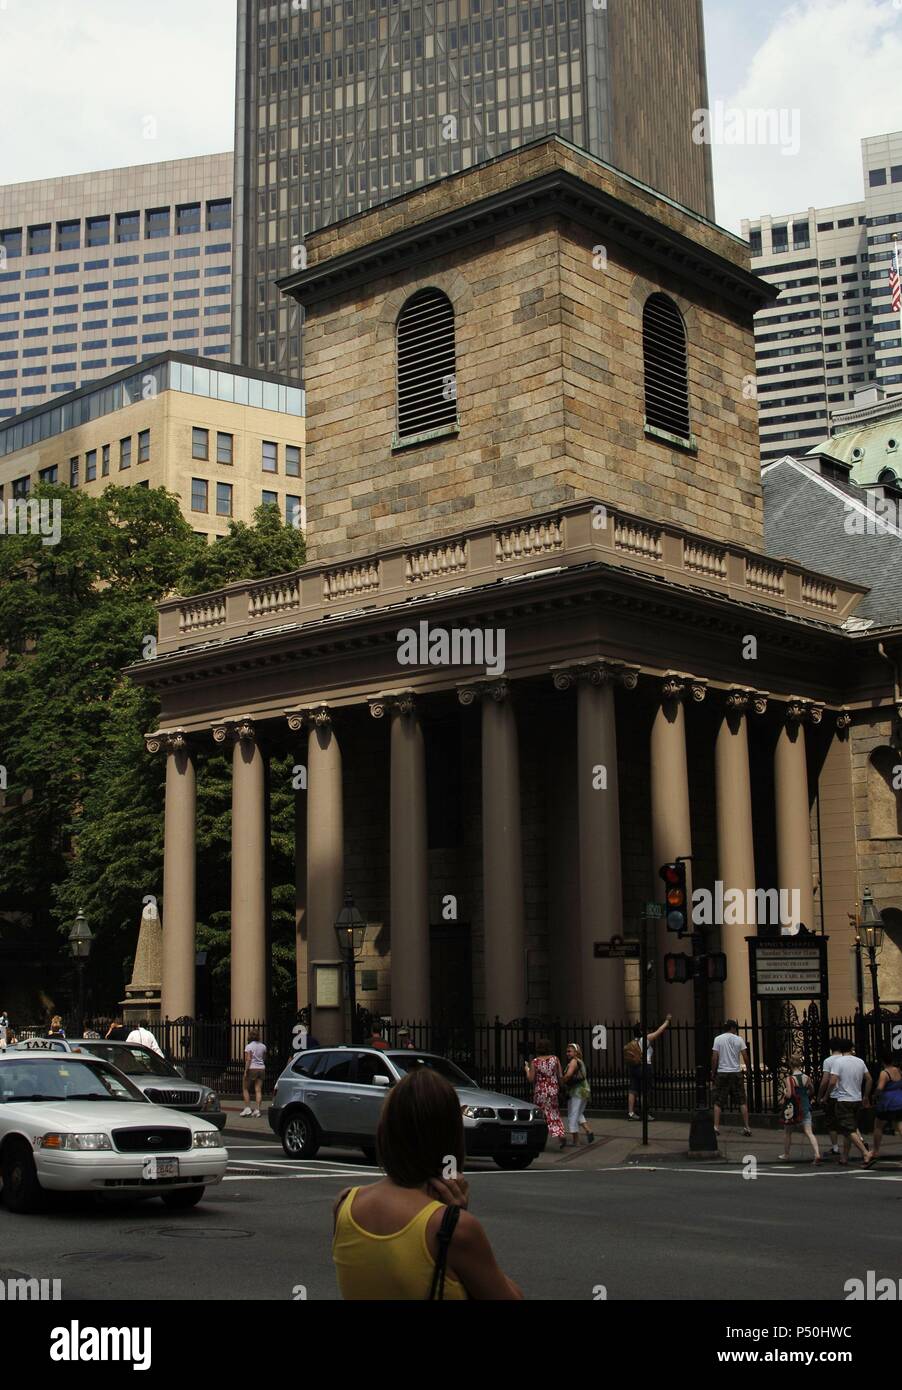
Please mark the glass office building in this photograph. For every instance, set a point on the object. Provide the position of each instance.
(347, 104)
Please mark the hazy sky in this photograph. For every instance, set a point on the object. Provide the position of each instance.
(81, 77)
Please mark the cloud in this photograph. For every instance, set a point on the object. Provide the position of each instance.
(80, 81)
(839, 64)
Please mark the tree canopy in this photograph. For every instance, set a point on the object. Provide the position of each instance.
(83, 824)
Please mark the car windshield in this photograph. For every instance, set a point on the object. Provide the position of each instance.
(65, 1079)
(411, 1061)
(134, 1061)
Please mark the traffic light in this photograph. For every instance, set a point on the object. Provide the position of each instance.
(717, 967)
(676, 904)
(679, 969)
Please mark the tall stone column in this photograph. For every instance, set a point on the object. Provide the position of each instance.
(248, 940)
(793, 812)
(409, 867)
(735, 844)
(325, 873)
(502, 855)
(671, 829)
(179, 874)
(600, 988)
(299, 787)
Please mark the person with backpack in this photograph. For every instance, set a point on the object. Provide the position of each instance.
(576, 1083)
(632, 1055)
(797, 1093)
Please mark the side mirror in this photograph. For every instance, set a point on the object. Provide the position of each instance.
(381, 1081)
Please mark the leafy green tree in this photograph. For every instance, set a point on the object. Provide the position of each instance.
(83, 824)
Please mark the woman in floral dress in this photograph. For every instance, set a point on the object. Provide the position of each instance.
(544, 1073)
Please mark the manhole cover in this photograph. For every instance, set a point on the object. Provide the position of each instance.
(192, 1232)
(122, 1257)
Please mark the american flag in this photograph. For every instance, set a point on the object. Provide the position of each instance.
(895, 286)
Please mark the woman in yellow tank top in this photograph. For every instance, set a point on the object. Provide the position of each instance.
(386, 1239)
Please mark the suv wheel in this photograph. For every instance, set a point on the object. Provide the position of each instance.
(22, 1193)
(514, 1161)
(300, 1138)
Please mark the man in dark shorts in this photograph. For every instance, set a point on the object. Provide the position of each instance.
(726, 1074)
(850, 1087)
(824, 1097)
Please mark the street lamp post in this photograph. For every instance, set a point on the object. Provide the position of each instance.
(869, 932)
(350, 928)
(80, 941)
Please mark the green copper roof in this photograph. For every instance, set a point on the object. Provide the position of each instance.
(870, 449)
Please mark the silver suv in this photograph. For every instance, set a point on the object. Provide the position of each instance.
(335, 1095)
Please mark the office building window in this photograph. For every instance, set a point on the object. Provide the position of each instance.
(105, 461)
(293, 461)
(21, 486)
(187, 219)
(223, 499)
(128, 226)
(90, 465)
(157, 222)
(68, 236)
(97, 233)
(877, 178)
(426, 358)
(49, 475)
(39, 240)
(73, 472)
(219, 215)
(11, 241)
(895, 173)
(144, 446)
(269, 499)
(224, 448)
(270, 457)
(200, 443)
(666, 366)
(755, 242)
(199, 491)
(125, 454)
(294, 514)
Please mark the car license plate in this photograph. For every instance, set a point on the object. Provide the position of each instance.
(159, 1169)
(518, 1136)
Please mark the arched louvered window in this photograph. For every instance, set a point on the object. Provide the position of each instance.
(666, 367)
(427, 381)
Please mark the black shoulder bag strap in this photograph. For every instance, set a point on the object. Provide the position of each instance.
(446, 1231)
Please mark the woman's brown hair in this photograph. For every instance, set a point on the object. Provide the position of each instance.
(420, 1129)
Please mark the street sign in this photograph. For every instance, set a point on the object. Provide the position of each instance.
(788, 967)
(653, 910)
(616, 949)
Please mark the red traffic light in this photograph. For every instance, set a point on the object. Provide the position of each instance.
(675, 896)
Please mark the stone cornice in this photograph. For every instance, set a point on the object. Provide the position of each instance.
(557, 192)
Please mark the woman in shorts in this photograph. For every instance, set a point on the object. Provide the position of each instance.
(254, 1071)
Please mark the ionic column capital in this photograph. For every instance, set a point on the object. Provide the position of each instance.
(800, 711)
(676, 685)
(391, 702)
(495, 688)
(744, 700)
(167, 741)
(309, 717)
(240, 730)
(597, 671)
(843, 719)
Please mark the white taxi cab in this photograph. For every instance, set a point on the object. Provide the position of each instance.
(72, 1123)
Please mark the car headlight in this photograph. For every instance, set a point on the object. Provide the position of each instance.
(206, 1139)
(79, 1143)
(477, 1112)
(211, 1102)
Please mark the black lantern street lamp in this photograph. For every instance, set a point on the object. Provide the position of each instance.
(80, 941)
(869, 931)
(350, 928)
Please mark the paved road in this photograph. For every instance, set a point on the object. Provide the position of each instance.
(675, 1231)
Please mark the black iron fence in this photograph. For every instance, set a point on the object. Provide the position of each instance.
(211, 1051)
